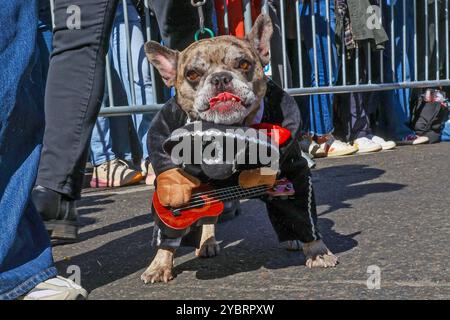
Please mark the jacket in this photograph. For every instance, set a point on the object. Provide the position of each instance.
(279, 108)
(363, 25)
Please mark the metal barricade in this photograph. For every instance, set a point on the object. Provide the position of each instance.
(440, 11)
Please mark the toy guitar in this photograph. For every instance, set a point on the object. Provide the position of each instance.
(208, 203)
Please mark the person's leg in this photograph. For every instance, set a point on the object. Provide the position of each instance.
(109, 169)
(139, 90)
(74, 92)
(276, 58)
(396, 102)
(101, 143)
(178, 21)
(321, 106)
(25, 252)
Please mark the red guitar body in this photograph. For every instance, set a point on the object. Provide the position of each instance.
(185, 218)
(208, 209)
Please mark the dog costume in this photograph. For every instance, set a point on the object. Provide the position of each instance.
(293, 218)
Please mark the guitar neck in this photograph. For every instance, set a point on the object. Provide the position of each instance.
(238, 193)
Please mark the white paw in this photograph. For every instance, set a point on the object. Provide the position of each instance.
(160, 270)
(318, 255)
(328, 260)
(157, 274)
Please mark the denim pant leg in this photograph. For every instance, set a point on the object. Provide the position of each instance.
(74, 92)
(320, 106)
(101, 142)
(139, 91)
(25, 250)
(395, 103)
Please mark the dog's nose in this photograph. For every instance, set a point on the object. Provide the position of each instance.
(221, 80)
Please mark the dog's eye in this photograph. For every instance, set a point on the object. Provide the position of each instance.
(245, 65)
(192, 76)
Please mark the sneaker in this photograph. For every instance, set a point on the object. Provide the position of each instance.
(316, 150)
(148, 172)
(115, 173)
(58, 288)
(59, 214)
(366, 145)
(337, 148)
(413, 139)
(386, 145)
(308, 145)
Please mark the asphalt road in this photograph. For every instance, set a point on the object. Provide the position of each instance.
(390, 210)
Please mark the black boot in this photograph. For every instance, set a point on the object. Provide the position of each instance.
(58, 212)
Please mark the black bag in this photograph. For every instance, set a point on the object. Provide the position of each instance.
(429, 116)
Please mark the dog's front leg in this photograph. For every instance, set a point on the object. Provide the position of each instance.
(160, 270)
(318, 255)
(208, 245)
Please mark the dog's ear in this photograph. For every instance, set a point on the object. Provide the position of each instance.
(164, 59)
(260, 36)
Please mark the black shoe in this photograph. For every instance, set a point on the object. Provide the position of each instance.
(58, 212)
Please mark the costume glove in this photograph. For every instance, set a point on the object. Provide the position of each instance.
(174, 187)
(257, 177)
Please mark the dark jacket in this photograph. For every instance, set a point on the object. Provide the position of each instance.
(279, 108)
(361, 18)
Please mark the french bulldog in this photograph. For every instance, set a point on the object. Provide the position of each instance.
(219, 80)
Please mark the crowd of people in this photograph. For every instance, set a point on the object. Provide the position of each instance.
(74, 84)
(334, 125)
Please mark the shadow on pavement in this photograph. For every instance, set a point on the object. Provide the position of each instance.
(336, 185)
(248, 242)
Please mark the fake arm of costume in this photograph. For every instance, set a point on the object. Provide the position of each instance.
(168, 119)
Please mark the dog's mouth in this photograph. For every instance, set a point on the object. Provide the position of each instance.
(225, 102)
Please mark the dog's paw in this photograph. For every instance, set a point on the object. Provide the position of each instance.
(208, 249)
(160, 270)
(157, 274)
(318, 255)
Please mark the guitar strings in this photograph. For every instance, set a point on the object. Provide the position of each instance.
(216, 190)
(225, 192)
(253, 192)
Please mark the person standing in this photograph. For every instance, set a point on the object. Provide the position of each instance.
(27, 270)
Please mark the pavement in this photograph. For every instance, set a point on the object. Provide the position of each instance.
(387, 213)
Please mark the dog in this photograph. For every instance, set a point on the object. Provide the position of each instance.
(208, 69)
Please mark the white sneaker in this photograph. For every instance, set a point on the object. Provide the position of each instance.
(412, 139)
(114, 173)
(366, 145)
(386, 145)
(314, 149)
(337, 148)
(148, 172)
(58, 288)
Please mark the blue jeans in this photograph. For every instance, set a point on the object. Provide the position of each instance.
(320, 107)
(394, 109)
(110, 138)
(25, 250)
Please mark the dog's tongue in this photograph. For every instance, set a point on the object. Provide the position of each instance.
(223, 97)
